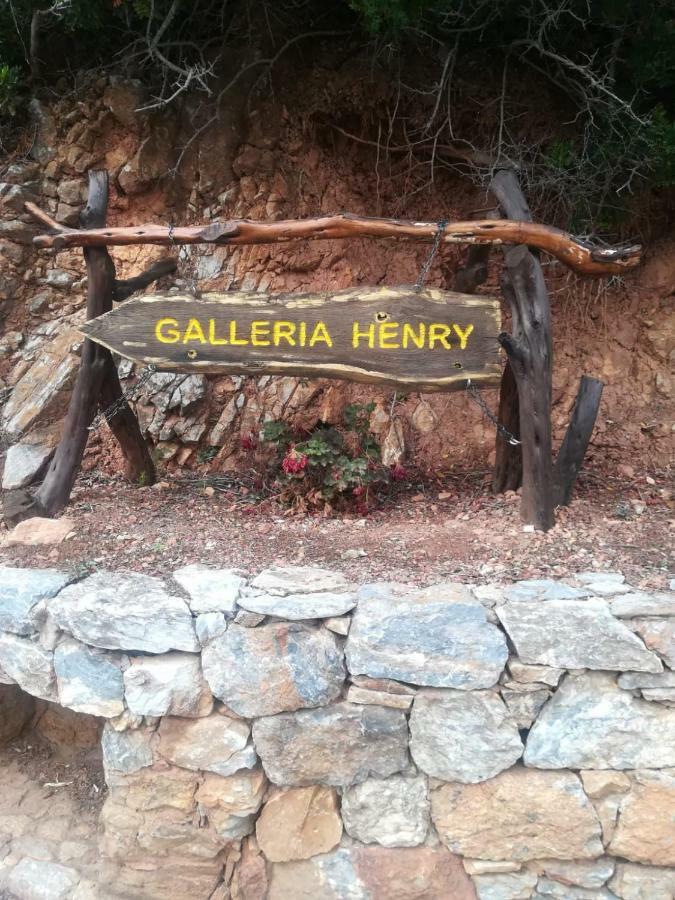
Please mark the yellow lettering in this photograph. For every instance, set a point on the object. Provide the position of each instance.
(463, 335)
(368, 333)
(320, 333)
(303, 334)
(234, 340)
(260, 331)
(284, 330)
(213, 340)
(387, 332)
(166, 331)
(418, 339)
(194, 332)
(438, 332)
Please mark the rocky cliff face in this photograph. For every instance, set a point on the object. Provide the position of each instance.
(267, 163)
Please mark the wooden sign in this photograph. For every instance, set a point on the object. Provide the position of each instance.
(428, 340)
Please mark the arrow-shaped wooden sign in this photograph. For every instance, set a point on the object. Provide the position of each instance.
(428, 339)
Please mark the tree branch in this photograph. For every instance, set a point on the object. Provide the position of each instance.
(577, 254)
(125, 287)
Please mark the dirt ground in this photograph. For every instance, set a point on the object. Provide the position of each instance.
(51, 792)
(422, 532)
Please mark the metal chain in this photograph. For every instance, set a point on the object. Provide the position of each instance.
(475, 395)
(471, 389)
(426, 265)
(189, 265)
(105, 415)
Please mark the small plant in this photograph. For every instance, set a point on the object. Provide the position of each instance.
(207, 454)
(330, 467)
(9, 89)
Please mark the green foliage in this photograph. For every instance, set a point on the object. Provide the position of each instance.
(9, 90)
(207, 454)
(613, 62)
(561, 155)
(330, 466)
(277, 432)
(660, 136)
(388, 16)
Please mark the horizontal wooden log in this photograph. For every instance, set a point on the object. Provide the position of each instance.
(427, 340)
(578, 255)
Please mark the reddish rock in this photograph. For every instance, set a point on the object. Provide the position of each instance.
(299, 823)
(379, 873)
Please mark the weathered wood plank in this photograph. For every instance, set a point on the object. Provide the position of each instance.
(427, 340)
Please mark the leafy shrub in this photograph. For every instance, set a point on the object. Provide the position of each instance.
(330, 467)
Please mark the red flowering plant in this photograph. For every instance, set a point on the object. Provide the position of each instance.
(330, 466)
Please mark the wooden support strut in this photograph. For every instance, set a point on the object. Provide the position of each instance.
(578, 255)
(573, 448)
(97, 382)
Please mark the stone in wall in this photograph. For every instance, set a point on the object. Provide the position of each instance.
(392, 812)
(658, 635)
(589, 874)
(299, 823)
(215, 743)
(273, 668)
(523, 704)
(633, 882)
(168, 685)
(505, 886)
(152, 844)
(645, 831)
(209, 626)
(378, 698)
(521, 814)
(525, 673)
(604, 584)
(231, 803)
(437, 636)
(414, 873)
(285, 580)
(296, 607)
(89, 680)
(249, 877)
(464, 736)
(21, 590)
(336, 745)
(125, 611)
(543, 589)
(210, 590)
(640, 603)
(574, 634)
(29, 665)
(590, 723)
(126, 751)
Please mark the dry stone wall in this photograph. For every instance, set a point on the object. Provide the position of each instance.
(293, 735)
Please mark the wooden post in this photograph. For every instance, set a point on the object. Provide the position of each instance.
(530, 356)
(97, 382)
